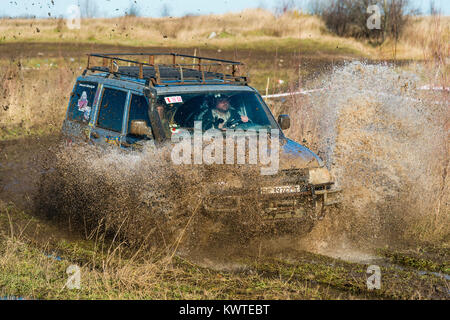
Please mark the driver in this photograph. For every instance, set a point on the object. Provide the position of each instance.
(221, 115)
(162, 117)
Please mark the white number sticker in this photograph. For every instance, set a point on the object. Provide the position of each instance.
(174, 99)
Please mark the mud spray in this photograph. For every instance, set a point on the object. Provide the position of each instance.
(131, 197)
(139, 199)
(385, 143)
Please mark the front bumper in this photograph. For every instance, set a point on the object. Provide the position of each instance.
(275, 202)
(330, 196)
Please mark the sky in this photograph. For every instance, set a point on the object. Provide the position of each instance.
(154, 8)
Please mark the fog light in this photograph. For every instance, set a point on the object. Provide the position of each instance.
(319, 176)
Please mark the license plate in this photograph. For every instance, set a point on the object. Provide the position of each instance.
(281, 189)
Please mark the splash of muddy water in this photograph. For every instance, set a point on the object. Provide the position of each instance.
(387, 146)
(131, 197)
(137, 198)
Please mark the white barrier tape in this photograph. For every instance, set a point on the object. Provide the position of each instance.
(428, 87)
(279, 95)
(306, 92)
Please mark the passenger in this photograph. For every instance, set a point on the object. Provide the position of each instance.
(163, 118)
(221, 116)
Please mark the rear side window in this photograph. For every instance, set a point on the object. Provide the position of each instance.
(81, 102)
(112, 109)
(138, 110)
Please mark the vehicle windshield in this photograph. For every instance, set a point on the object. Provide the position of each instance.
(219, 110)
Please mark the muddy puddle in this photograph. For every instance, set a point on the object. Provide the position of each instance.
(22, 163)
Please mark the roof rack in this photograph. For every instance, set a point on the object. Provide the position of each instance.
(174, 73)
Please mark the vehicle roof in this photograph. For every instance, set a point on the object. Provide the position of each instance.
(130, 83)
(202, 70)
(120, 82)
(161, 90)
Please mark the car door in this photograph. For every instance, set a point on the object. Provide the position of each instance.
(138, 110)
(79, 113)
(110, 122)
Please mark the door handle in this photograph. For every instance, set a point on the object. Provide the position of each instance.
(126, 144)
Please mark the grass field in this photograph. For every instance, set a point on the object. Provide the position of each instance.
(250, 29)
(39, 61)
(37, 270)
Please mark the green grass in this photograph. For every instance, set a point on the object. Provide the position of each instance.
(302, 46)
(351, 277)
(28, 269)
(437, 261)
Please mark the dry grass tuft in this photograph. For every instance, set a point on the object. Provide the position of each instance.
(31, 99)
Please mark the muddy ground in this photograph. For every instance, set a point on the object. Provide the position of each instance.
(237, 272)
(339, 273)
(408, 271)
(307, 65)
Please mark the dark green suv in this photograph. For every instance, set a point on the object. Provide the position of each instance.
(130, 100)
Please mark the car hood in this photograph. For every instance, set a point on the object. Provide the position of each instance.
(294, 155)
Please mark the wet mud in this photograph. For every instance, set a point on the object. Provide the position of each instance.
(385, 143)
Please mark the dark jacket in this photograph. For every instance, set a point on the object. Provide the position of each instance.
(209, 121)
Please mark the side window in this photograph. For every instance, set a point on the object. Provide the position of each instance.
(138, 110)
(112, 109)
(251, 107)
(81, 101)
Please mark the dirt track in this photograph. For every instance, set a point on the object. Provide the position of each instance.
(53, 50)
(313, 64)
(20, 168)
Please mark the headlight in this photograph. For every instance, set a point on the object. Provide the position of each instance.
(319, 176)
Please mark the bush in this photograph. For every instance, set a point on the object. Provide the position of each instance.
(349, 17)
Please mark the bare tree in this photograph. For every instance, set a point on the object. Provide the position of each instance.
(165, 10)
(434, 10)
(88, 8)
(262, 4)
(316, 7)
(133, 10)
(284, 6)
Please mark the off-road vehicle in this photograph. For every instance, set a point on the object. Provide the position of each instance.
(129, 100)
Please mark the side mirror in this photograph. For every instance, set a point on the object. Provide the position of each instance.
(284, 121)
(139, 128)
